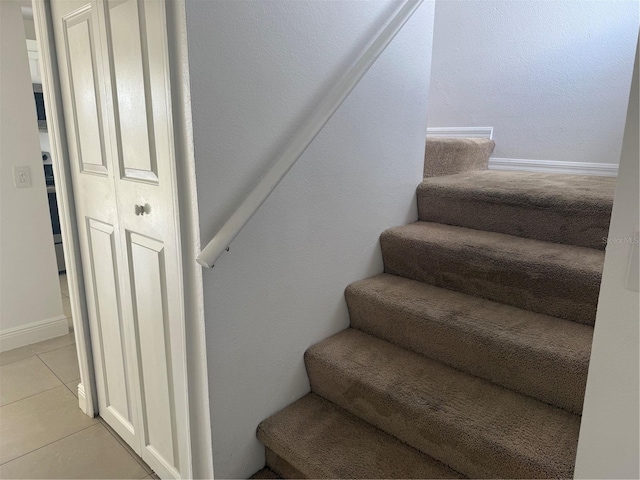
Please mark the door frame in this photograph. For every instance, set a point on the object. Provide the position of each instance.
(200, 464)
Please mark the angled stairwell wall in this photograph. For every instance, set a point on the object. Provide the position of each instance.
(257, 68)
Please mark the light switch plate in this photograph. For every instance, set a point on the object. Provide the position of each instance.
(22, 177)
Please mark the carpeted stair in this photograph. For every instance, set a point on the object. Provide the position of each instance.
(468, 357)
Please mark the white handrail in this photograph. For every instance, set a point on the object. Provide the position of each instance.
(310, 129)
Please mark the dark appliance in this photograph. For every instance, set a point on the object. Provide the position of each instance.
(39, 98)
(53, 210)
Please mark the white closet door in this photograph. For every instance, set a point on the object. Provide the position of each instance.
(115, 78)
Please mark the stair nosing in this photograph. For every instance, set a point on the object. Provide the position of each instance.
(414, 309)
(265, 434)
(526, 196)
(477, 424)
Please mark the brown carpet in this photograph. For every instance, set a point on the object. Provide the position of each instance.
(446, 156)
(555, 208)
(541, 356)
(485, 430)
(324, 441)
(551, 278)
(266, 472)
(469, 356)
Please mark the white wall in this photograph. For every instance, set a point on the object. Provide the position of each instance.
(257, 68)
(609, 444)
(550, 76)
(29, 288)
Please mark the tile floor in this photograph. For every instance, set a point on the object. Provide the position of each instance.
(43, 432)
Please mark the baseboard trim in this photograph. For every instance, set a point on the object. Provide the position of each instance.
(82, 400)
(34, 332)
(468, 132)
(554, 166)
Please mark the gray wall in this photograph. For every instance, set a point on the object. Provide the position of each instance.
(257, 68)
(29, 288)
(609, 444)
(552, 77)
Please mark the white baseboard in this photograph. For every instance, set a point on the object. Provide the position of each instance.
(554, 166)
(35, 332)
(82, 400)
(468, 132)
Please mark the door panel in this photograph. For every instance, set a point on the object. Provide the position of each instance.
(148, 280)
(111, 356)
(133, 106)
(79, 46)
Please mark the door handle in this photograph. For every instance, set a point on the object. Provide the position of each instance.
(142, 209)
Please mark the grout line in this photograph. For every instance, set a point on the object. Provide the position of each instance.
(33, 394)
(50, 443)
(51, 370)
(28, 396)
(127, 447)
(33, 354)
(75, 394)
(57, 348)
(38, 354)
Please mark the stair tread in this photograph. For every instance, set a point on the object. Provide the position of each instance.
(525, 250)
(322, 440)
(584, 193)
(536, 354)
(476, 427)
(568, 209)
(551, 278)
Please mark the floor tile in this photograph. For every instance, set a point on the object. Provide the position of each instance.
(64, 286)
(54, 343)
(73, 386)
(63, 362)
(24, 378)
(90, 453)
(39, 420)
(16, 354)
(125, 446)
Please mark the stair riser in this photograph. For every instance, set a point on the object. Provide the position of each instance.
(557, 380)
(281, 466)
(543, 287)
(448, 156)
(313, 438)
(585, 228)
(443, 439)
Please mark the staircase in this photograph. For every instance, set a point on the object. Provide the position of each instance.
(468, 356)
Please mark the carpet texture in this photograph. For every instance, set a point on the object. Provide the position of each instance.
(541, 356)
(550, 278)
(442, 411)
(468, 357)
(555, 208)
(266, 472)
(321, 440)
(446, 156)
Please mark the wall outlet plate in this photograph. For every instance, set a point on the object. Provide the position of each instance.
(22, 177)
